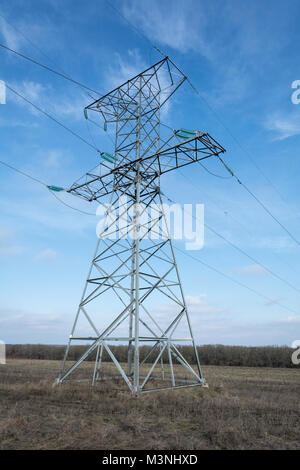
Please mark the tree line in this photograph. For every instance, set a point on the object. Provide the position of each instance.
(220, 355)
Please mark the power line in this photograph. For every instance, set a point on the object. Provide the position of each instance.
(27, 39)
(260, 202)
(45, 55)
(201, 164)
(234, 138)
(71, 207)
(244, 253)
(270, 213)
(52, 118)
(140, 33)
(214, 174)
(23, 173)
(94, 146)
(221, 273)
(213, 202)
(224, 126)
(196, 259)
(210, 228)
(62, 75)
(36, 180)
(41, 51)
(233, 218)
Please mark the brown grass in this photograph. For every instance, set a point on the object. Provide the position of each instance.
(244, 408)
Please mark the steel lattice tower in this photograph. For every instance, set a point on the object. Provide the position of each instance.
(130, 275)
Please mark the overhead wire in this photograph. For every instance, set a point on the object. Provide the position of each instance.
(93, 146)
(227, 213)
(28, 40)
(71, 207)
(222, 123)
(62, 75)
(178, 249)
(241, 284)
(260, 202)
(23, 173)
(214, 174)
(236, 247)
(37, 180)
(52, 118)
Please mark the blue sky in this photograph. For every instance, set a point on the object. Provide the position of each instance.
(243, 58)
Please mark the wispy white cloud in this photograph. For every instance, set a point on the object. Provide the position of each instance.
(292, 319)
(54, 158)
(273, 301)
(48, 99)
(253, 270)
(51, 214)
(13, 318)
(122, 69)
(11, 37)
(46, 255)
(283, 125)
(277, 244)
(195, 304)
(175, 25)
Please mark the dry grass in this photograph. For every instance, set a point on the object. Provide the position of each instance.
(244, 408)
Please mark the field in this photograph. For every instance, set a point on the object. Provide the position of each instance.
(244, 408)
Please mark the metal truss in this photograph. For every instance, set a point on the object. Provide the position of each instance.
(133, 293)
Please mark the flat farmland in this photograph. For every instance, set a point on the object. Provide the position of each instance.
(244, 408)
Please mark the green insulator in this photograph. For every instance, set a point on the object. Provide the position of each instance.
(185, 131)
(108, 157)
(55, 188)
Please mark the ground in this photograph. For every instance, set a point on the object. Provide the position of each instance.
(244, 408)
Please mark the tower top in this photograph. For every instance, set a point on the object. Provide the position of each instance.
(148, 91)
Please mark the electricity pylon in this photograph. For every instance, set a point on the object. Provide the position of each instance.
(131, 273)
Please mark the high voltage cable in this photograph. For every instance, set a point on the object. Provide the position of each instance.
(94, 146)
(178, 249)
(270, 213)
(223, 124)
(52, 118)
(214, 174)
(49, 116)
(235, 139)
(62, 75)
(71, 207)
(23, 173)
(231, 216)
(36, 180)
(243, 252)
(140, 33)
(260, 202)
(46, 67)
(221, 273)
(210, 228)
(27, 39)
(75, 134)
